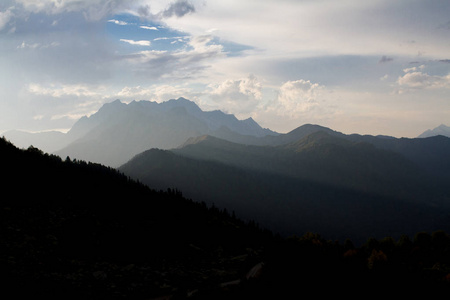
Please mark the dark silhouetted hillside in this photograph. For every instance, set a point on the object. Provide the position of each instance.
(72, 229)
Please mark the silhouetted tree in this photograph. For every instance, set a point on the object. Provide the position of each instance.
(377, 260)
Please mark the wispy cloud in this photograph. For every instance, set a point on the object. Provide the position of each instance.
(137, 43)
(184, 63)
(177, 38)
(5, 17)
(25, 45)
(63, 90)
(148, 27)
(413, 69)
(118, 22)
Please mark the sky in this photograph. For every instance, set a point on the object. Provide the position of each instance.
(368, 67)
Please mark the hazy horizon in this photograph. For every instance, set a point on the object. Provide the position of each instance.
(372, 67)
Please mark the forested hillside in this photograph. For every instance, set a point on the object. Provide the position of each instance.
(72, 229)
(76, 230)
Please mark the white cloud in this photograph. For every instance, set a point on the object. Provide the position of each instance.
(248, 87)
(419, 80)
(117, 22)
(137, 43)
(413, 69)
(297, 102)
(202, 44)
(64, 90)
(158, 93)
(148, 27)
(25, 45)
(239, 96)
(298, 97)
(178, 38)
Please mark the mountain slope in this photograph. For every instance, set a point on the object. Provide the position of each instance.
(321, 184)
(430, 154)
(322, 158)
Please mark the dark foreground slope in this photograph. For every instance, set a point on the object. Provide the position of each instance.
(75, 230)
(80, 230)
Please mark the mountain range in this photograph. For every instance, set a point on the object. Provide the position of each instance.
(118, 131)
(310, 179)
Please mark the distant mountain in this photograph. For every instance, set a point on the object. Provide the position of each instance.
(440, 130)
(429, 153)
(278, 139)
(118, 131)
(320, 183)
(49, 140)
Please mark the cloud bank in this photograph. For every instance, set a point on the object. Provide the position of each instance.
(415, 79)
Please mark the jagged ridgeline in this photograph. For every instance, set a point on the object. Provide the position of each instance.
(118, 131)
